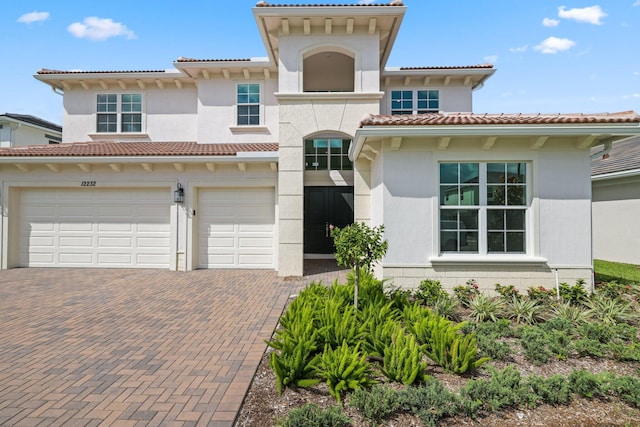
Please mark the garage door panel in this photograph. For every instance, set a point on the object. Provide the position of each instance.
(236, 228)
(75, 242)
(95, 228)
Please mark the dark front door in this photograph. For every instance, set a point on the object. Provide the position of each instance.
(323, 207)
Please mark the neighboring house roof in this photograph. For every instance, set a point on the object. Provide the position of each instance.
(623, 157)
(497, 119)
(183, 59)
(33, 120)
(106, 149)
(48, 71)
(455, 67)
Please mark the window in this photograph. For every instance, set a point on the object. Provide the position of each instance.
(415, 102)
(248, 104)
(483, 207)
(327, 154)
(122, 111)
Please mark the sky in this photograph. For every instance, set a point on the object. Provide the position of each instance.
(551, 56)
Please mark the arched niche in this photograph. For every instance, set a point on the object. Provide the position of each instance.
(329, 69)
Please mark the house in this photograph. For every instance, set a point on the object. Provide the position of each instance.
(17, 130)
(246, 163)
(615, 179)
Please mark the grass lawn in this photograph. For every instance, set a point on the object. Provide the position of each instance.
(622, 273)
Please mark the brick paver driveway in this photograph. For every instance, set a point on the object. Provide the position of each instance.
(132, 347)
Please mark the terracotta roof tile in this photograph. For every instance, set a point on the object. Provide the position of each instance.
(266, 4)
(90, 149)
(455, 67)
(624, 156)
(48, 71)
(183, 59)
(498, 119)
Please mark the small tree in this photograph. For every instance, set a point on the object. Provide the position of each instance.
(359, 246)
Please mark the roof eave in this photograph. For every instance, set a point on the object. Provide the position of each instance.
(613, 175)
(241, 157)
(623, 130)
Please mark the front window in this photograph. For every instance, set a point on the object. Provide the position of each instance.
(483, 207)
(327, 154)
(248, 104)
(122, 112)
(415, 101)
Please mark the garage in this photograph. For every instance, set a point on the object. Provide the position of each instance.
(90, 227)
(236, 228)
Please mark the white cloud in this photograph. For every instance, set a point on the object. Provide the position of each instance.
(637, 3)
(554, 45)
(490, 59)
(373, 1)
(94, 28)
(548, 22)
(632, 96)
(590, 15)
(29, 18)
(519, 49)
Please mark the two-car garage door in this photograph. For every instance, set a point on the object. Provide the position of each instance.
(116, 228)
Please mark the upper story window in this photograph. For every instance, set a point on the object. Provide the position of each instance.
(328, 71)
(415, 101)
(248, 104)
(327, 154)
(119, 111)
(483, 207)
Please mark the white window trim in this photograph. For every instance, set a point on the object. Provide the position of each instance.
(238, 127)
(483, 256)
(414, 98)
(119, 112)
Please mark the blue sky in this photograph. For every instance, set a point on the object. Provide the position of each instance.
(551, 56)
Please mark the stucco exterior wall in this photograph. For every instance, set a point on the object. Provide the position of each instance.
(405, 198)
(169, 114)
(216, 113)
(20, 135)
(616, 224)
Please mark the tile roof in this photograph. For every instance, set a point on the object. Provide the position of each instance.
(106, 149)
(498, 119)
(455, 67)
(266, 4)
(624, 156)
(183, 59)
(48, 71)
(33, 120)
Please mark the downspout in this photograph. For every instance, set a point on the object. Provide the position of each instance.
(608, 145)
(57, 91)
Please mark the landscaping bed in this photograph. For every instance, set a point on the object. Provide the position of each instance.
(564, 363)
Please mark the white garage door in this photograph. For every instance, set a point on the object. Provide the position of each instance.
(113, 228)
(236, 228)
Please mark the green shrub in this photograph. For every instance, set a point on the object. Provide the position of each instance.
(422, 328)
(589, 347)
(338, 322)
(295, 365)
(485, 308)
(377, 403)
(491, 346)
(400, 298)
(586, 384)
(453, 351)
(504, 390)
(311, 415)
(507, 292)
(553, 390)
(378, 335)
(403, 359)
(430, 401)
(447, 306)
(574, 314)
(416, 312)
(611, 290)
(344, 369)
(429, 291)
(560, 344)
(575, 294)
(299, 322)
(558, 324)
(606, 310)
(523, 310)
(623, 352)
(541, 294)
(467, 292)
(534, 343)
(627, 388)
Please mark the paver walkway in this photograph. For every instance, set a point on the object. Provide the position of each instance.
(86, 347)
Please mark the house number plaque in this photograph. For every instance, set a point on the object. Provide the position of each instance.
(87, 184)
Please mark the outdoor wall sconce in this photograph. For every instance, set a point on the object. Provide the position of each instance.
(178, 195)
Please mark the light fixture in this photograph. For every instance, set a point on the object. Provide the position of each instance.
(178, 195)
